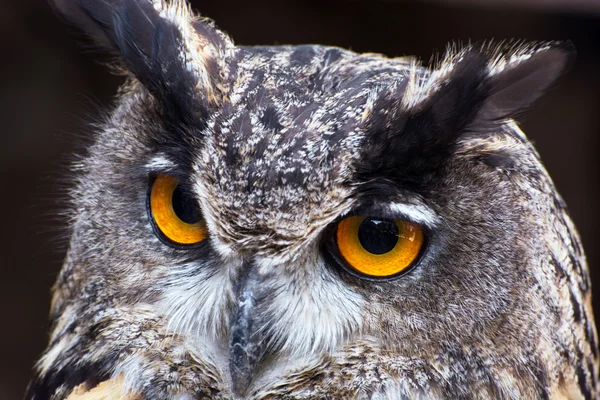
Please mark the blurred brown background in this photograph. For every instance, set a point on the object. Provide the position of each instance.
(50, 88)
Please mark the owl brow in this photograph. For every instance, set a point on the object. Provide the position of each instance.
(410, 145)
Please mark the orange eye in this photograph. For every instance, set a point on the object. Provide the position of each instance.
(379, 248)
(176, 213)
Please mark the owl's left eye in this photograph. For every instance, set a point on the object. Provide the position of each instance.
(175, 213)
(378, 248)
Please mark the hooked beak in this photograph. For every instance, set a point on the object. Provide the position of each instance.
(246, 341)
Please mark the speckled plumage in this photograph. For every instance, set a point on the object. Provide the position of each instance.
(277, 144)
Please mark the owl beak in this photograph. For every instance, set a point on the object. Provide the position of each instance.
(246, 341)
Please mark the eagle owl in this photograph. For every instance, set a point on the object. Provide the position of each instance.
(305, 222)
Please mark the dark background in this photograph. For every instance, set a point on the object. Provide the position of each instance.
(50, 89)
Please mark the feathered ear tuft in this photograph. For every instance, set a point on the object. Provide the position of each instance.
(489, 82)
(473, 89)
(495, 81)
(179, 58)
(518, 74)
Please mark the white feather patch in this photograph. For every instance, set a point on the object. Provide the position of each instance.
(415, 212)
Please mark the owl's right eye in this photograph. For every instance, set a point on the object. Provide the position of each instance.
(175, 213)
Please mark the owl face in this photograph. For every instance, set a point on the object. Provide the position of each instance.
(307, 222)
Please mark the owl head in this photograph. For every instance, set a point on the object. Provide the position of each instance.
(305, 222)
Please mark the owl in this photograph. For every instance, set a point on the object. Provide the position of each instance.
(306, 222)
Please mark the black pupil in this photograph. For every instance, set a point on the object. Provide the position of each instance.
(378, 236)
(185, 206)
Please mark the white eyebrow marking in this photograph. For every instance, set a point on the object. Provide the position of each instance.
(415, 212)
(160, 161)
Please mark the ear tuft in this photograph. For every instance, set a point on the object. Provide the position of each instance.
(507, 77)
(178, 57)
(77, 16)
(519, 73)
(473, 89)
